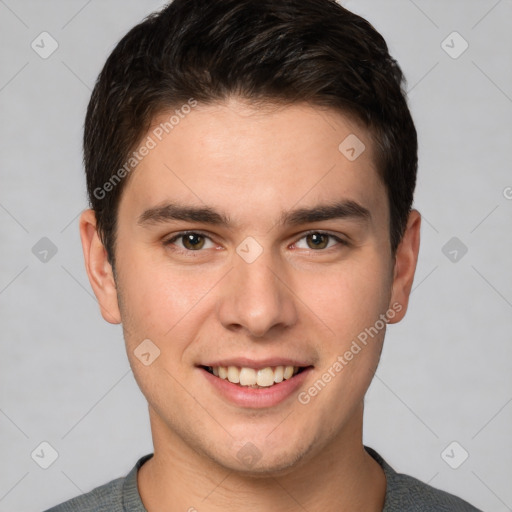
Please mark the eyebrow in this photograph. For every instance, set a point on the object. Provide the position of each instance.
(173, 211)
(344, 209)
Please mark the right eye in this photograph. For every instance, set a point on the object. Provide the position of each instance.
(190, 241)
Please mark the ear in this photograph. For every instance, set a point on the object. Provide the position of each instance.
(98, 268)
(405, 265)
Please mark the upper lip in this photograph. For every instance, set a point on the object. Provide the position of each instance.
(256, 364)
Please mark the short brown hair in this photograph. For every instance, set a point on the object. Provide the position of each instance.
(287, 51)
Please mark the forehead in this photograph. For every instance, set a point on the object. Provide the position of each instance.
(255, 161)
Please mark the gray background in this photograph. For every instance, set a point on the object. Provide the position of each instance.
(446, 370)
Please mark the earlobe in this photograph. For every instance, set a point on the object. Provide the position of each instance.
(98, 268)
(405, 265)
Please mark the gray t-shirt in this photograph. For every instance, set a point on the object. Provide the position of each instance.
(403, 494)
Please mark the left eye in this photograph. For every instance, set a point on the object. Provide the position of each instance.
(318, 240)
(191, 241)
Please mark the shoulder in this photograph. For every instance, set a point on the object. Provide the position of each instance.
(405, 493)
(409, 494)
(105, 498)
(119, 495)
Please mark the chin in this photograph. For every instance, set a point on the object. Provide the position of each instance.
(270, 461)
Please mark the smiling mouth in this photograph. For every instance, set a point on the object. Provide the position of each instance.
(255, 378)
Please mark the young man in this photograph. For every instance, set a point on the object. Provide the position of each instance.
(251, 167)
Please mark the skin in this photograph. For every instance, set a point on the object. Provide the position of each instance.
(294, 300)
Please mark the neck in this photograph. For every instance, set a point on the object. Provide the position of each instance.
(340, 476)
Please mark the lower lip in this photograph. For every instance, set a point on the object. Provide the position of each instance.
(244, 396)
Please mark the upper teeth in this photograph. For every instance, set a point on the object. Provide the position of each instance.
(263, 377)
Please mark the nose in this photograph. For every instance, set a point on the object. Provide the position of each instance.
(256, 298)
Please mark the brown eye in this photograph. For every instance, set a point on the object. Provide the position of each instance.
(317, 240)
(193, 241)
(189, 242)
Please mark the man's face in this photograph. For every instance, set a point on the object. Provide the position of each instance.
(266, 289)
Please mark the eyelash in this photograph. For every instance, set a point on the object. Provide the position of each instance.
(182, 234)
(341, 241)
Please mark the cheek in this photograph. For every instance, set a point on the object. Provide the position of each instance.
(350, 303)
(349, 298)
(158, 300)
(161, 307)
